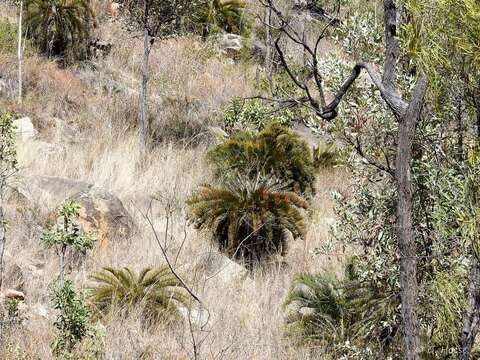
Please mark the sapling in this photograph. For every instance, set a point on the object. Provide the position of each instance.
(73, 318)
(67, 233)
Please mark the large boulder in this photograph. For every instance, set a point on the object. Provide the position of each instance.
(24, 128)
(229, 44)
(104, 214)
(101, 211)
(215, 265)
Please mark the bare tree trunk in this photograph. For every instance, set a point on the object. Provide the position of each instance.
(62, 265)
(2, 242)
(471, 320)
(406, 239)
(268, 47)
(391, 43)
(142, 114)
(20, 54)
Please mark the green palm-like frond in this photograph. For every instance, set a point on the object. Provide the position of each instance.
(155, 290)
(60, 27)
(275, 151)
(250, 217)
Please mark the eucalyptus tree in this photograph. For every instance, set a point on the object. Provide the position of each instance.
(407, 114)
(156, 19)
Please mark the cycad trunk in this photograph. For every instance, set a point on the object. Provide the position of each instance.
(471, 320)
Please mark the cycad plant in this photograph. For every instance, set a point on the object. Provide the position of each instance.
(226, 15)
(60, 27)
(155, 291)
(276, 151)
(251, 218)
(330, 311)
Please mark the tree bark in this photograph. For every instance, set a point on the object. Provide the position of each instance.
(20, 54)
(268, 47)
(405, 233)
(391, 43)
(142, 113)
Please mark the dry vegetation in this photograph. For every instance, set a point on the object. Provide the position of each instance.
(97, 104)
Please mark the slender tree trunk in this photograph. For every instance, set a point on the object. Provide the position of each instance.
(62, 265)
(405, 233)
(268, 47)
(142, 113)
(2, 242)
(391, 43)
(471, 320)
(20, 54)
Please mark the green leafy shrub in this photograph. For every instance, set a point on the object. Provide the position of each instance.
(250, 217)
(156, 291)
(275, 151)
(72, 322)
(251, 114)
(60, 27)
(66, 233)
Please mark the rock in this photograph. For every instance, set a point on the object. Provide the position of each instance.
(47, 149)
(230, 44)
(50, 189)
(305, 134)
(24, 128)
(65, 132)
(216, 265)
(103, 213)
(14, 277)
(199, 317)
(307, 311)
(217, 133)
(258, 50)
(39, 310)
(115, 9)
(14, 295)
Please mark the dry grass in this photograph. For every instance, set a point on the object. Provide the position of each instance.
(98, 104)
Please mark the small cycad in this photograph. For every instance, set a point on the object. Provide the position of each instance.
(154, 291)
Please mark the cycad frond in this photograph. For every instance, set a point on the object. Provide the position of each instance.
(250, 217)
(156, 290)
(60, 27)
(275, 151)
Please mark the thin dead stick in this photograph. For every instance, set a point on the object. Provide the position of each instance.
(165, 256)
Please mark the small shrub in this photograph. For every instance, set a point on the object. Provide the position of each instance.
(156, 291)
(66, 233)
(250, 218)
(72, 322)
(275, 151)
(251, 114)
